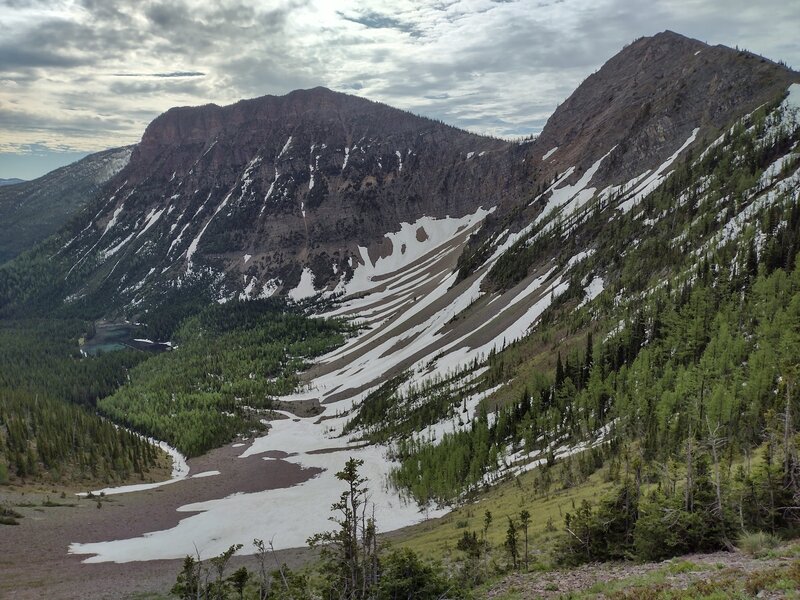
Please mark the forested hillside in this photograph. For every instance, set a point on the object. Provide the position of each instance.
(48, 426)
(230, 362)
(696, 332)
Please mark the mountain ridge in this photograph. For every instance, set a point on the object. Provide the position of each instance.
(33, 210)
(291, 194)
(630, 117)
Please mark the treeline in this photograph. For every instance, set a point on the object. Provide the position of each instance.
(230, 361)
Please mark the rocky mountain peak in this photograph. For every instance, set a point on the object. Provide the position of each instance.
(647, 100)
(262, 190)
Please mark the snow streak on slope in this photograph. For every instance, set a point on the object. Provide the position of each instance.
(245, 184)
(413, 241)
(574, 196)
(653, 180)
(408, 334)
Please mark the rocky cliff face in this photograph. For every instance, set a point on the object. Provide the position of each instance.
(256, 192)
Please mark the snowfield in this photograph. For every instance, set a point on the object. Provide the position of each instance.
(272, 514)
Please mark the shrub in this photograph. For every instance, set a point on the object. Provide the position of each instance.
(9, 516)
(605, 533)
(756, 544)
(405, 575)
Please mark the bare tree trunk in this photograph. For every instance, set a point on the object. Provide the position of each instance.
(770, 461)
(689, 500)
(526, 547)
(354, 539)
(197, 589)
(789, 459)
(714, 441)
(280, 566)
(374, 549)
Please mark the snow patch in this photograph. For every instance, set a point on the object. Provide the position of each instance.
(269, 288)
(592, 291)
(304, 289)
(243, 516)
(792, 101)
(580, 256)
(113, 220)
(150, 220)
(285, 147)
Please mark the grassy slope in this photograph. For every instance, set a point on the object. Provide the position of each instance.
(438, 537)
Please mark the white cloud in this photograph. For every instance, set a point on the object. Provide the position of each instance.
(490, 66)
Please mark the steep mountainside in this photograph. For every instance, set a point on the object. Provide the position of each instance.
(625, 124)
(30, 211)
(270, 193)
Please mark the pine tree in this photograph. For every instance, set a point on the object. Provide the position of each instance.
(525, 519)
(349, 553)
(512, 542)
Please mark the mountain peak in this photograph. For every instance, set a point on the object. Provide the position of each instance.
(646, 100)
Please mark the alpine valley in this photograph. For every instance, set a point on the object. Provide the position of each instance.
(579, 348)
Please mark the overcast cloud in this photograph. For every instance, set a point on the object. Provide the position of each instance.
(84, 75)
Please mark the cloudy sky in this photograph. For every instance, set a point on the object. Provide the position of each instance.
(78, 76)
